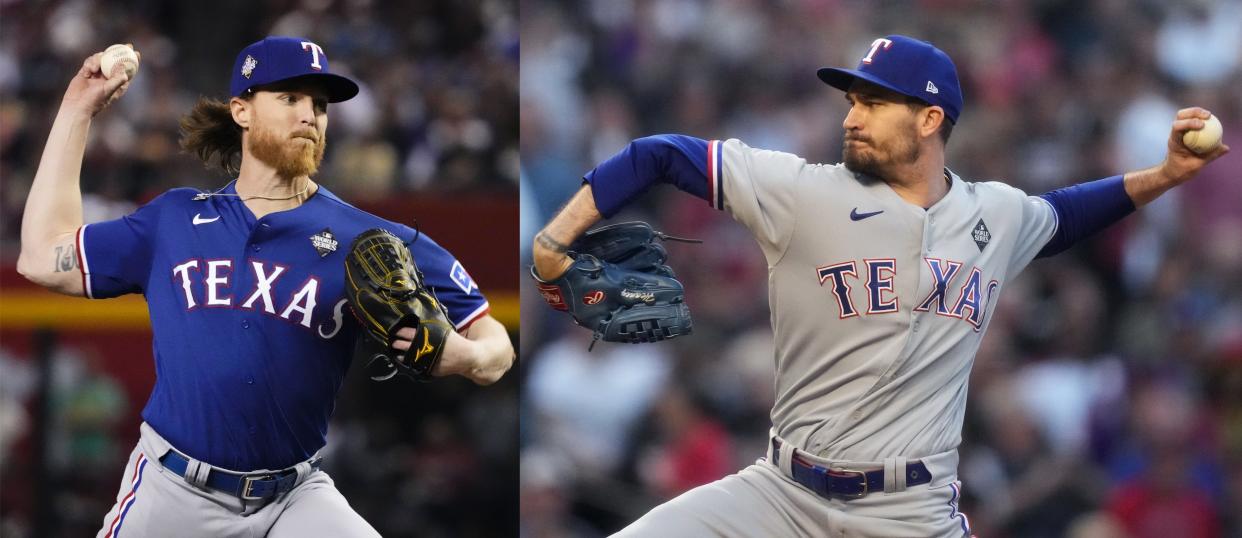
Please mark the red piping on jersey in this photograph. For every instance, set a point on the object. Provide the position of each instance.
(711, 173)
(81, 235)
(476, 317)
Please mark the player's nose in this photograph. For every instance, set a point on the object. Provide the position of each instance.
(306, 112)
(853, 120)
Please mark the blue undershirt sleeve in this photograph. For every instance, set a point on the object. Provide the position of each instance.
(1084, 209)
(676, 159)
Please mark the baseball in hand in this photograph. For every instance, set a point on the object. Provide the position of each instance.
(1204, 140)
(119, 55)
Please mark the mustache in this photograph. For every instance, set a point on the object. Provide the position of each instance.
(856, 138)
(312, 135)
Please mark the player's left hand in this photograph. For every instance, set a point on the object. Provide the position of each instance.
(404, 338)
(1182, 164)
(459, 358)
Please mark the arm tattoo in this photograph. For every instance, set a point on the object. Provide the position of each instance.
(66, 258)
(551, 244)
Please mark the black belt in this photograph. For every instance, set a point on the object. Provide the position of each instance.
(248, 487)
(846, 483)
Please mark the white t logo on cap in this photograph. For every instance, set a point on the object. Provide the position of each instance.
(315, 52)
(875, 45)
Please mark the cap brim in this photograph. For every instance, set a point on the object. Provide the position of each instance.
(337, 87)
(841, 79)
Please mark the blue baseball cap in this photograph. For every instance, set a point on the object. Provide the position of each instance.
(278, 58)
(907, 66)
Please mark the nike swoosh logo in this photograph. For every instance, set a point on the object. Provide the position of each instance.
(855, 215)
(200, 220)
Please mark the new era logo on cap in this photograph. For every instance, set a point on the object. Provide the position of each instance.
(907, 66)
(279, 58)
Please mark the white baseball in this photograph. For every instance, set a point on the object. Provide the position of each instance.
(1204, 140)
(119, 55)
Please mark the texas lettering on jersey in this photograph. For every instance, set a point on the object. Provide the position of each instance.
(879, 274)
(214, 277)
(870, 384)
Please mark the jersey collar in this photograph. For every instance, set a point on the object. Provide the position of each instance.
(231, 188)
(881, 188)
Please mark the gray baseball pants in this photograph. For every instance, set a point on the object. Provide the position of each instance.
(762, 500)
(154, 501)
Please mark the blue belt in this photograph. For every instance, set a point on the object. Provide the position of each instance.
(249, 487)
(845, 483)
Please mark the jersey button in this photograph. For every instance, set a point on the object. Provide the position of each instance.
(256, 247)
(245, 324)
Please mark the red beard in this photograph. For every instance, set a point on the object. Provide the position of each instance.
(291, 156)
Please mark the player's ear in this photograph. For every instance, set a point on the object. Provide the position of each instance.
(241, 110)
(930, 119)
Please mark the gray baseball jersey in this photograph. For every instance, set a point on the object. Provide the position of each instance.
(878, 306)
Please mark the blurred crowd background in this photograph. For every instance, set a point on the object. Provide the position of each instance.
(433, 133)
(1106, 399)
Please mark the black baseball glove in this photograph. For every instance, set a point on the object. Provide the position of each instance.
(619, 286)
(386, 293)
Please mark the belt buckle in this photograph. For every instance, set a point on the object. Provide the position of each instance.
(848, 472)
(248, 485)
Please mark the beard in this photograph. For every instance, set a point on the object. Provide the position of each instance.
(291, 156)
(882, 158)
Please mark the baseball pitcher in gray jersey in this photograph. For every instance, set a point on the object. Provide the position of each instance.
(883, 273)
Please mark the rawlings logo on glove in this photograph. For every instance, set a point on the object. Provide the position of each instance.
(627, 293)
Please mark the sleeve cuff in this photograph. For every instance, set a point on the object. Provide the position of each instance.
(478, 314)
(85, 270)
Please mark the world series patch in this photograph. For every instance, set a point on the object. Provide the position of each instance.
(324, 242)
(248, 66)
(981, 235)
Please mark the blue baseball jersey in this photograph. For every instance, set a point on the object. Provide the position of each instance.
(252, 333)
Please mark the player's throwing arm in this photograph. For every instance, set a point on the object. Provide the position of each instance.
(54, 207)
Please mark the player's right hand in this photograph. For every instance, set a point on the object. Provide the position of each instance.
(90, 91)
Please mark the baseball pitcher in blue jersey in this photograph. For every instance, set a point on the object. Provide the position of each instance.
(245, 288)
(883, 273)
